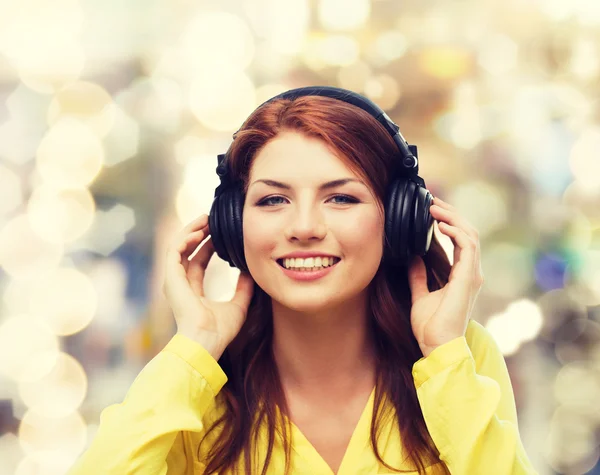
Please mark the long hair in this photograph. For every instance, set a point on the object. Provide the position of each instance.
(253, 394)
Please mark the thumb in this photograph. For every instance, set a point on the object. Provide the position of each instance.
(244, 291)
(417, 279)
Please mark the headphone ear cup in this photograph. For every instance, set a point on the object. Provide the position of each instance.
(226, 227)
(236, 227)
(423, 221)
(406, 206)
(409, 224)
(393, 220)
(225, 222)
(214, 222)
(218, 228)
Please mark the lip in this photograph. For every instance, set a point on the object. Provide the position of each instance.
(306, 254)
(305, 276)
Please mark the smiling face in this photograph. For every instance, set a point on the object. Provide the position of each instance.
(344, 220)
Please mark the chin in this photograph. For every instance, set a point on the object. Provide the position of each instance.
(310, 298)
(298, 304)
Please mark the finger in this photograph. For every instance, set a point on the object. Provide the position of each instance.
(454, 219)
(176, 286)
(189, 246)
(451, 217)
(465, 255)
(197, 267)
(243, 291)
(417, 278)
(179, 251)
(465, 250)
(195, 225)
(460, 295)
(438, 201)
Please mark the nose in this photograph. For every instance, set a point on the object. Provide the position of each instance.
(306, 224)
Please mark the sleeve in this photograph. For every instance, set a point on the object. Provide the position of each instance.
(469, 408)
(169, 395)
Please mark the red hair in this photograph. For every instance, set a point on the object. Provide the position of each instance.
(253, 391)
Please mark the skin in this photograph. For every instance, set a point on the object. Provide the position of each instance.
(321, 344)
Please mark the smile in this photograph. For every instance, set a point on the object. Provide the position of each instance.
(308, 275)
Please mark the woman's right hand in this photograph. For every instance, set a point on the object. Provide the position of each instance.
(212, 324)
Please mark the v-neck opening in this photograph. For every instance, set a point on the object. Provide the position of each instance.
(353, 449)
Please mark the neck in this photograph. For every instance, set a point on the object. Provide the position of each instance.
(328, 351)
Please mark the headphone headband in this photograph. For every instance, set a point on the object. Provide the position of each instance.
(408, 222)
(409, 154)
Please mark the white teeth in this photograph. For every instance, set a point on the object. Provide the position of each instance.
(309, 263)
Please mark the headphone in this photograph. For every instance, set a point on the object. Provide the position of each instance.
(408, 222)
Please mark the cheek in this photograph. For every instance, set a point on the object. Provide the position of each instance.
(258, 239)
(365, 232)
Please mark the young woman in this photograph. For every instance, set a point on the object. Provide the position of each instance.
(331, 357)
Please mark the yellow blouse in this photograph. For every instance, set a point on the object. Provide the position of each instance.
(463, 387)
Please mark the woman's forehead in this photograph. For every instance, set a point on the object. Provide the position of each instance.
(296, 155)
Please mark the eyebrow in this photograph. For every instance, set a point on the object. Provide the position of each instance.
(324, 186)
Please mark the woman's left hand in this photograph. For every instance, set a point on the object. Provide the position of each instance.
(440, 316)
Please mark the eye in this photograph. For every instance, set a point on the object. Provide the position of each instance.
(268, 201)
(349, 199)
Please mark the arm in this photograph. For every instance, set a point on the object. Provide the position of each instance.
(467, 400)
(170, 395)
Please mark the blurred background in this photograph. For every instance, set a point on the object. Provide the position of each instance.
(111, 117)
